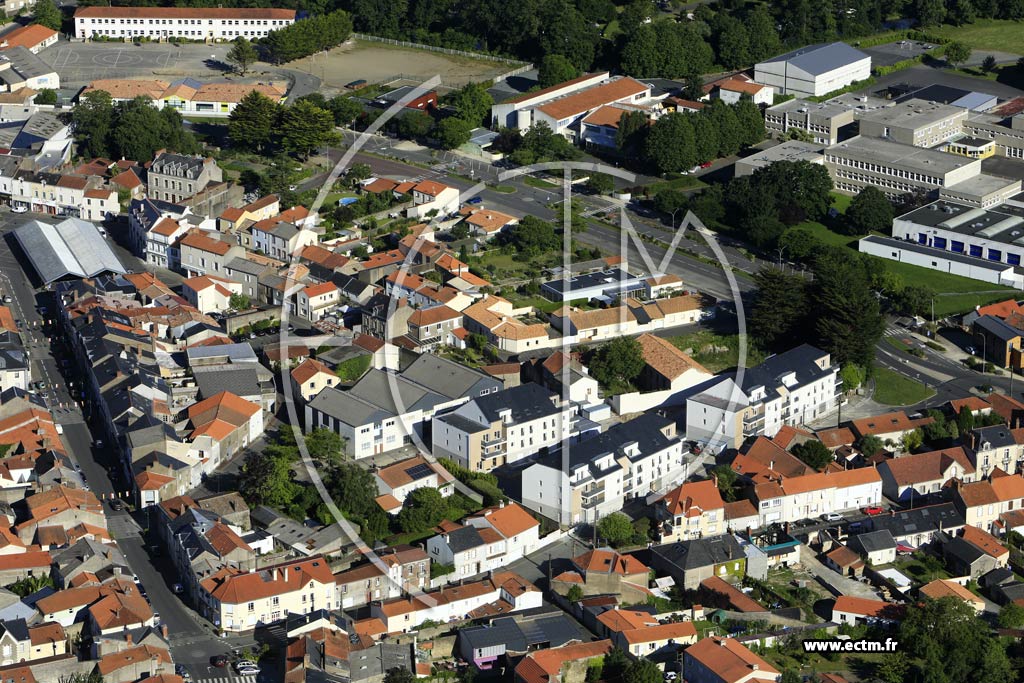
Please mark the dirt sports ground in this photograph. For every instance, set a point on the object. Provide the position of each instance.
(378, 62)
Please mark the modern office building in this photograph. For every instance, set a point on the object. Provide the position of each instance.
(814, 70)
(914, 122)
(193, 23)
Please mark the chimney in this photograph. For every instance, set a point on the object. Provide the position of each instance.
(754, 666)
(714, 478)
(771, 464)
(163, 631)
(501, 503)
(721, 642)
(127, 636)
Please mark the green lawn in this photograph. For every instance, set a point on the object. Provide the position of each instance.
(893, 389)
(683, 182)
(985, 34)
(505, 189)
(827, 236)
(539, 183)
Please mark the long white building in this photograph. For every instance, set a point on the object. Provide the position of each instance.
(194, 23)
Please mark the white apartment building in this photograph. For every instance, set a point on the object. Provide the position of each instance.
(313, 302)
(194, 23)
(238, 601)
(790, 388)
(585, 481)
(505, 427)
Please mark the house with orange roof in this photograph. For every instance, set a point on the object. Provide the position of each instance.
(888, 426)
(853, 610)
(313, 302)
(222, 425)
(71, 605)
(564, 114)
(733, 90)
(974, 553)
(726, 660)
(666, 367)
(135, 664)
(430, 198)
(924, 473)
(431, 327)
(691, 510)
(813, 495)
(18, 566)
(394, 571)
(22, 643)
(242, 600)
(33, 38)
(502, 592)
(566, 664)
(204, 252)
(209, 293)
(488, 222)
(600, 127)
(508, 329)
(311, 377)
(660, 640)
(982, 502)
(423, 293)
(485, 542)
(944, 588)
(603, 571)
(405, 476)
(285, 234)
(59, 506)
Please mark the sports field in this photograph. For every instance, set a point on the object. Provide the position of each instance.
(376, 62)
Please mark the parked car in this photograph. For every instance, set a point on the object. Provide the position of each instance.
(706, 164)
(832, 517)
(219, 661)
(19, 209)
(474, 200)
(873, 510)
(177, 588)
(356, 84)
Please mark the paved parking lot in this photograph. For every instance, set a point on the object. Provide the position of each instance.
(890, 53)
(922, 76)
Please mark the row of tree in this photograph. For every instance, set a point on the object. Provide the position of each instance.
(678, 141)
(127, 130)
(261, 125)
(960, 12)
(307, 36)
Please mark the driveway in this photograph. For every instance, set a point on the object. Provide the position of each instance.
(845, 585)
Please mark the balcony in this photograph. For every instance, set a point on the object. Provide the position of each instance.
(754, 418)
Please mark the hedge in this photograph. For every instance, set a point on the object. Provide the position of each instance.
(856, 85)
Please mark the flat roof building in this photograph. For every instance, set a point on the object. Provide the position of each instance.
(790, 150)
(822, 120)
(914, 122)
(814, 70)
(895, 168)
(1007, 132)
(611, 283)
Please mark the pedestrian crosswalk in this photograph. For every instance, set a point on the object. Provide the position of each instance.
(229, 678)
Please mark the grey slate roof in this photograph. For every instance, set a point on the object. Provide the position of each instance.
(464, 539)
(448, 378)
(394, 393)
(645, 431)
(346, 408)
(998, 436)
(520, 635)
(874, 541)
(821, 57)
(72, 247)
(700, 552)
(932, 518)
(527, 402)
(16, 627)
(997, 328)
(241, 381)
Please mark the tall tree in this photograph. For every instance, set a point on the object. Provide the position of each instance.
(253, 123)
(929, 12)
(555, 69)
(617, 362)
(705, 136)
(763, 38)
(452, 132)
(304, 127)
(780, 308)
(633, 126)
(849, 322)
(91, 121)
(46, 13)
(669, 145)
(733, 44)
(564, 31)
(749, 122)
(242, 54)
(870, 210)
(473, 103)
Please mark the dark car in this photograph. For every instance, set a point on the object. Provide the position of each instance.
(117, 504)
(356, 84)
(219, 661)
(474, 200)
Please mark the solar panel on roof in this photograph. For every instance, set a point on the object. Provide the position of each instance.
(419, 471)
